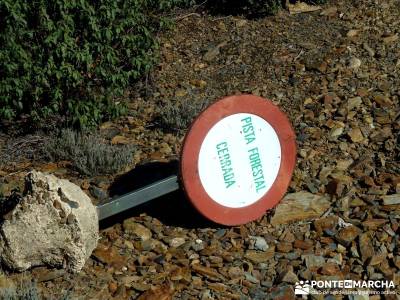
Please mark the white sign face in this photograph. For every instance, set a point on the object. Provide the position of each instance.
(239, 160)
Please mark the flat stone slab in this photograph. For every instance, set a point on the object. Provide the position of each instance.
(391, 199)
(301, 206)
(54, 224)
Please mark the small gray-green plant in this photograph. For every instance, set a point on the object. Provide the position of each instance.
(178, 116)
(24, 290)
(89, 154)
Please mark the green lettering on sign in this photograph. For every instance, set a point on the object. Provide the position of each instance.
(256, 168)
(248, 130)
(225, 163)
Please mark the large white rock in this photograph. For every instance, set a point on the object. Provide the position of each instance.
(54, 224)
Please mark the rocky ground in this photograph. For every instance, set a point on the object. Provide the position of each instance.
(336, 73)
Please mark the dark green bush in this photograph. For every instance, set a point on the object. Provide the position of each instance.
(74, 57)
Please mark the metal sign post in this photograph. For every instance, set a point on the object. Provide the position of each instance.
(237, 161)
(140, 196)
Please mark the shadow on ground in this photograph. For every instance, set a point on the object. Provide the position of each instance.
(249, 8)
(173, 209)
(252, 9)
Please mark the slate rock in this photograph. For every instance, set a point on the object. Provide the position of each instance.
(300, 206)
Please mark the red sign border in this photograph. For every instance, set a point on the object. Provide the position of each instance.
(191, 149)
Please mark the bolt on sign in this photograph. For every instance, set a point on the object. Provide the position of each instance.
(237, 159)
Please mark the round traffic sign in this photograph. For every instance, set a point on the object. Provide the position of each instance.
(237, 159)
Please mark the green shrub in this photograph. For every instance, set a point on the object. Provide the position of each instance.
(75, 57)
(89, 154)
